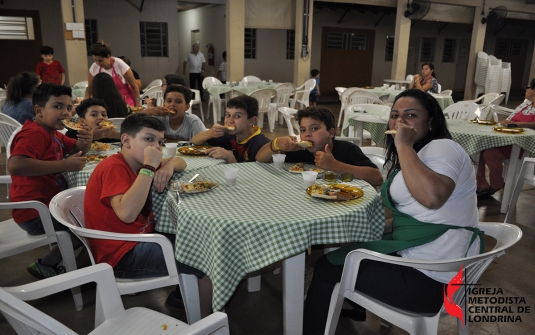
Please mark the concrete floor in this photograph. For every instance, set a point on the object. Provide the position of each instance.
(261, 312)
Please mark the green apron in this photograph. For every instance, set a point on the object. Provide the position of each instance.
(407, 232)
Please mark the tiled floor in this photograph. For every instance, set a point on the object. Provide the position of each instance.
(261, 312)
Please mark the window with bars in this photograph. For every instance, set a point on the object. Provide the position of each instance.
(510, 48)
(154, 39)
(448, 53)
(91, 33)
(250, 43)
(427, 53)
(16, 28)
(290, 44)
(389, 50)
(348, 41)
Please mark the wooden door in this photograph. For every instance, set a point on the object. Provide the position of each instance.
(346, 58)
(20, 55)
(514, 51)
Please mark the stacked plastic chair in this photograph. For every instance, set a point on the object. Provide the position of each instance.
(506, 79)
(481, 72)
(494, 75)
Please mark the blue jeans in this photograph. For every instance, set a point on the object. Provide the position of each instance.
(146, 260)
(35, 226)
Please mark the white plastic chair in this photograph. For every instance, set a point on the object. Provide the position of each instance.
(409, 78)
(500, 113)
(14, 240)
(68, 208)
(446, 93)
(83, 83)
(302, 94)
(153, 93)
(109, 310)
(8, 125)
(284, 92)
(363, 97)
(289, 116)
(340, 90)
(214, 101)
(372, 109)
(439, 88)
(377, 156)
(526, 176)
(264, 96)
(463, 110)
(344, 98)
(154, 83)
(251, 79)
(117, 122)
(196, 100)
(506, 235)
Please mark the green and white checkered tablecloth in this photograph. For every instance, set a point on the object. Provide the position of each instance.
(266, 217)
(215, 90)
(377, 130)
(443, 101)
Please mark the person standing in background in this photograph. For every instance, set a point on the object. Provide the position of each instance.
(50, 70)
(222, 72)
(197, 62)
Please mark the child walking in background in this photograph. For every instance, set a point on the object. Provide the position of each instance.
(50, 70)
(313, 98)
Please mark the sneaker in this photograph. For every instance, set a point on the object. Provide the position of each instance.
(41, 271)
(175, 303)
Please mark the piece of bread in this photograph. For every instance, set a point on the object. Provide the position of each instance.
(229, 127)
(305, 144)
(391, 132)
(170, 111)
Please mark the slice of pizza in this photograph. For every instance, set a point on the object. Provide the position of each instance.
(96, 158)
(71, 125)
(305, 144)
(99, 146)
(316, 169)
(107, 125)
(297, 168)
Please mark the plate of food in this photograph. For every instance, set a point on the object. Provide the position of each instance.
(136, 109)
(297, 168)
(199, 186)
(72, 125)
(484, 122)
(508, 130)
(368, 87)
(99, 146)
(96, 157)
(195, 150)
(337, 192)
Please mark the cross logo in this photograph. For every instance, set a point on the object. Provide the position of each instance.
(453, 286)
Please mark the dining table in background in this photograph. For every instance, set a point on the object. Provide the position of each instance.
(266, 217)
(390, 94)
(245, 88)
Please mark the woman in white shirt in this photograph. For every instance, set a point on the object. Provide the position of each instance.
(431, 192)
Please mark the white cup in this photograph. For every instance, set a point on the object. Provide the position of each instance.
(233, 83)
(171, 149)
(231, 174)
(309, 178)
(263, 81)
(278, 160)
(271, 81)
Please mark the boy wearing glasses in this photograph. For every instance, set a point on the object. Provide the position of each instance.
(317, 127)
(37, 162)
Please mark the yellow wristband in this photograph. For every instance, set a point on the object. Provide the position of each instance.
(147, 172)
(275, 144)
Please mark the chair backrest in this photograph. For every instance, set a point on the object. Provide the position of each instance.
(210, 81)
(117, 122)
(377, 156)
(7, 126)
(500, 113)
(195, 100)
(310, 84)
(251, 79)
(496, 101)
(284, 92)
(345, 95)
(289, 116)
(409, 77)
(439, 88)
(363, 97)
(464, 110)
(8, 146)
(446, 93)
(155, 83)
(83, 83)
(153, 92)
(264, 97)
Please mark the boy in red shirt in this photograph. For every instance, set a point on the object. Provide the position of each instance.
(36, 165)
(118, 199)
(50, 70)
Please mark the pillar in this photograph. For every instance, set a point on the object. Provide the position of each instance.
(401, 43)
(302, 64)
(235, 24)
(76, 51)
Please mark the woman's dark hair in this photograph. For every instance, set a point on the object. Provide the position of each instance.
(438, 128)
(171, 79)
(431, 66)
(22, 84)
(104, 89)
(100, 49)
(532, 84)
(125, 59)
(186, 92)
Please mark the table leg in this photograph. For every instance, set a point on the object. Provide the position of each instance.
(293, 286)
(510, 179)
(359, 130)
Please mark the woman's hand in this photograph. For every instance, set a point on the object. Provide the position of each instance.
(405, 135)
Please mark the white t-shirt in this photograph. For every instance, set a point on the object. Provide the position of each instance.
(448, 158)
(195, 61)
(120, 68)
(190, 126)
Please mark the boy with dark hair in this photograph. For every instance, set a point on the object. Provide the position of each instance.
(92, 113)
(317, 126)
(239, 139)
(118, 199)
(313, 97)
(50, 70)
(36, 165)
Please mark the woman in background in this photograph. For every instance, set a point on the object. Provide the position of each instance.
(19, 96)
(427, 82)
